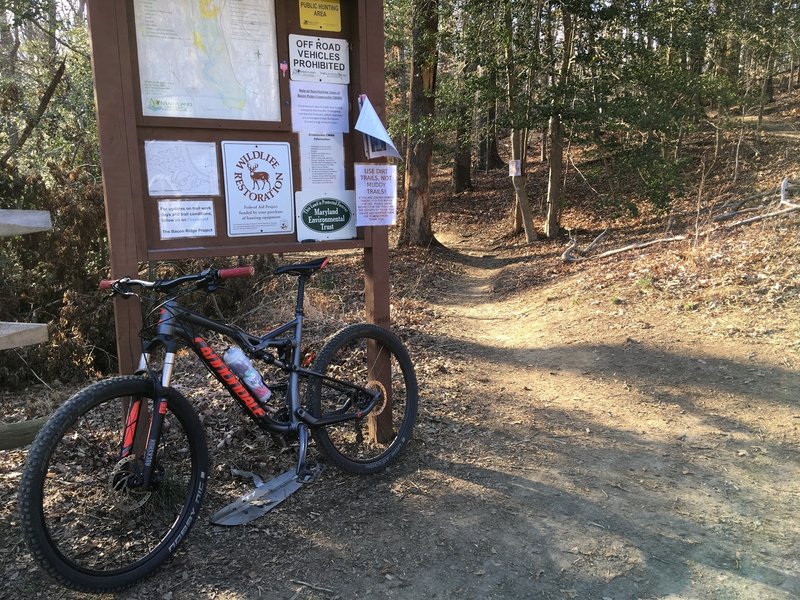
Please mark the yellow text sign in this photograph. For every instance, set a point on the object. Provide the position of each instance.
(321, 15)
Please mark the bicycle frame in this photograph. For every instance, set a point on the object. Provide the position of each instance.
(178, 324)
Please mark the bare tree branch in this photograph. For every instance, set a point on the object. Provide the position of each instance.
(33, 120)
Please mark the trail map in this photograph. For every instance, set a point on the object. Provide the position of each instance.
(208, 59)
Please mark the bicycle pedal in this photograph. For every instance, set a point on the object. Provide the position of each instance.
(262, 499)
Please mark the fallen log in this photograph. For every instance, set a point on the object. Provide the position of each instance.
(569, 257)
(19, 435)
(776, 213)
(569, 254)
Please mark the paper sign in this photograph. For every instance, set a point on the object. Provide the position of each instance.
(376, 194)
(181, 168)
(258, 188)
(326, 215)
(322, 161)
(369, 123)
(319, 59)
(323, 15)
(319, 107)
(186, 219)
(514, 168)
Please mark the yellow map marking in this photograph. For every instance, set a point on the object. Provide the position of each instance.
(209, 9)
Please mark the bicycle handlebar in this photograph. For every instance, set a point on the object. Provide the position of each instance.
(248, 271)
(208, 276)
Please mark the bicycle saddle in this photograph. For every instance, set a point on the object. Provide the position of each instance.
(306, 268)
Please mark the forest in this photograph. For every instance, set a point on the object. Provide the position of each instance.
(619, 93)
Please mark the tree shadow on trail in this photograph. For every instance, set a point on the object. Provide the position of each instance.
(571, 546)
(483, 258)
(651, 370)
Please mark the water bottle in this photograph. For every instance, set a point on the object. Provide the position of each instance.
(238, 362)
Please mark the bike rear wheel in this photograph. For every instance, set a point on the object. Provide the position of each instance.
(82, 515)
(374, 358)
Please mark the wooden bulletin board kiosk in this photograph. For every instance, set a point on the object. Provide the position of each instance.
(226, 128)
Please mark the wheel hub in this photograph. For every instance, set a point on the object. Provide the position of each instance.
(382, 401)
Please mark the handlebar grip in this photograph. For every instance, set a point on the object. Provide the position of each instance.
(236, 272)
(106, 284)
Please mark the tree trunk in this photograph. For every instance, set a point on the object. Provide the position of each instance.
(764, 97)
(554, 191)
(493, 158)
(488, 155)
(462, 153)
(522, 205)
(543, 148)
(519, 139)
(416, 225)
(33, 120)
(462, 157)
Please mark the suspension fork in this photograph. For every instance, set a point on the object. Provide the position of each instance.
(157, 418)
(149, 445)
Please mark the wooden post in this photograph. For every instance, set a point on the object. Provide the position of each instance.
(371, 72)
(376, 256)
(117, 133)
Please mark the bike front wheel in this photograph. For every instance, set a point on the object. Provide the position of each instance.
(86, 518)
(371, 357)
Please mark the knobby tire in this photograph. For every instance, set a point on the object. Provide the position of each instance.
(355, 354)
(82, 525)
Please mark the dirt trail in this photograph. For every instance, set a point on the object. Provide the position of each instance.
(620, 452)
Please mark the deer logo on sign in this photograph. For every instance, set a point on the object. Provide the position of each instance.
(260, 179)
(259, 175)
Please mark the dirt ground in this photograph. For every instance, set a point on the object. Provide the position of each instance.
(616, 429)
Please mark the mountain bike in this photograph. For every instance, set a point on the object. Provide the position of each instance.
(115, 479)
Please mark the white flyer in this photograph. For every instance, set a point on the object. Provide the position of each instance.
(326, 215)
(319, 107)
(208, 59)
(186, 219)
(322, 161)
(258, 188)
(377, 142)
(376, 194)
(320, 59)
(177, 168)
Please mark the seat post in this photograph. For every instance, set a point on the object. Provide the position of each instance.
(301, 286)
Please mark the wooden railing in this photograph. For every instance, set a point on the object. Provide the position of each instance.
(17, 335)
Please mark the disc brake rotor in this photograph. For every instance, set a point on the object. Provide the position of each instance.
(381, 406)
(128, 498)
